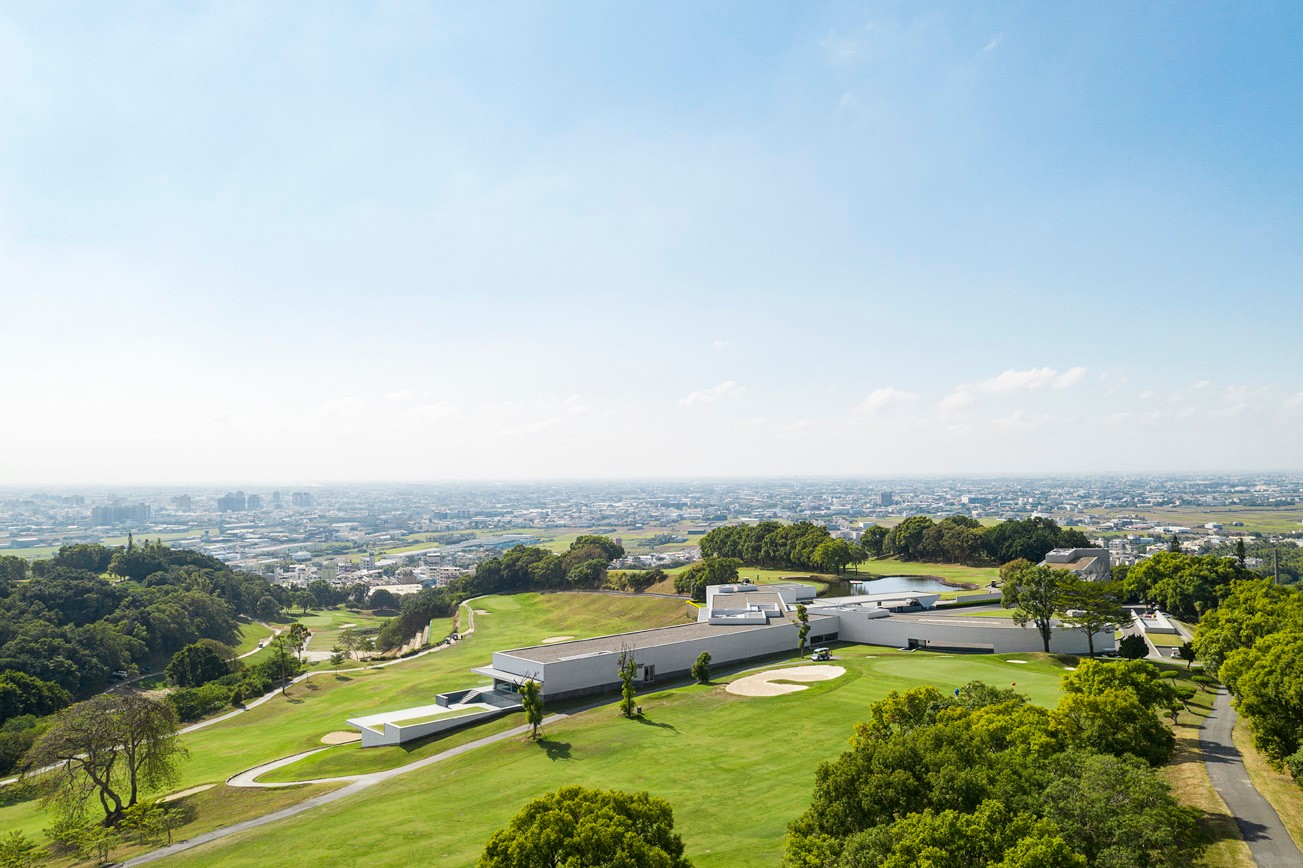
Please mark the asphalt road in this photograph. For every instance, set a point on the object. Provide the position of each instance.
(1262, 829)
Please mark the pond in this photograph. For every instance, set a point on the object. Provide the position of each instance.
(892, 584)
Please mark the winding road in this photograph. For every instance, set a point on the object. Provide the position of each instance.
(1270, 843)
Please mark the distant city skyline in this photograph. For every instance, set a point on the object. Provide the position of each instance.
(374, 244)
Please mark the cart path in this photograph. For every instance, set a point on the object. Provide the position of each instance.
(355, 784)
(1261, 827)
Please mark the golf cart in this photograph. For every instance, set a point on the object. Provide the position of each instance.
(820, 655)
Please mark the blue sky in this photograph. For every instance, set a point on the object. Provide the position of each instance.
(245, 242)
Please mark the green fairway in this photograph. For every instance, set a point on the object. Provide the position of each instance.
(326, 625)
(321, 704)
(251, 633)
(736, 769)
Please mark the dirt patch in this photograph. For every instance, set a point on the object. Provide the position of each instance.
(765, 683)
(552, 640)
(172, 797)
(341, 737)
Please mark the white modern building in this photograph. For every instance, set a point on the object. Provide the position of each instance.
(1090, 564)
(746, 622)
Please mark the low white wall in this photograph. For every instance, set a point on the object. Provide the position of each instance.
(598, 670)
(897, 632)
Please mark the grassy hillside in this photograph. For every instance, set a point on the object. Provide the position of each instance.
(297, 721)
(736, 769)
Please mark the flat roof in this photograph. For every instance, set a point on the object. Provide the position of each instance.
(559, 651)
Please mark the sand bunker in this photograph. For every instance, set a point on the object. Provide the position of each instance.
(480, 611)
(341, 737)
(764, 683)
(346, 626)
(172, 797)
(553, 639)
(1015, 661)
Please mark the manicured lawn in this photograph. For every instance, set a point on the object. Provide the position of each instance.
(251, 633)
(733, 784)
(326, 625)
(321, 704)
(1165, 640)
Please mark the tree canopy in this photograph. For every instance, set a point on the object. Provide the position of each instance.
(986, 779)
(578, 827)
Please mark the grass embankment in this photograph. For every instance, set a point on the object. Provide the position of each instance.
(1276, 786)
(1188, 778)
(251, 633)
(321, 704)
(1165, 640)
(714, 756)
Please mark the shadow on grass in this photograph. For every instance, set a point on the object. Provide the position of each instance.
(343, 678)
(649, 722)
(555, 750)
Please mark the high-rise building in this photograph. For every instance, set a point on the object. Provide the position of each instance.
(276, 498)
(182, 502)
(301, 498)
(253, 501)
(886, 498)
(232, 501)
(115, 513)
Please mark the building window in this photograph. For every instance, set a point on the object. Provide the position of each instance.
(648, 674)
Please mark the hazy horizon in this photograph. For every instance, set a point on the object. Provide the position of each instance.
(401, 244)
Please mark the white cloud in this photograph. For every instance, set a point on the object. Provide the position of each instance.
(956, 400)
(720, 344)
(847, 101)
(880, 399)
(709, 396)
(1032, 378)
(1203, 384)
(994, 43)
(1295, 400)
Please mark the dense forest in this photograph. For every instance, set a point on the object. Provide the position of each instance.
(957, 539)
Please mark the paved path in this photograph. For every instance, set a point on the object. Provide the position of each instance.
(355, 784)
(1270, 844)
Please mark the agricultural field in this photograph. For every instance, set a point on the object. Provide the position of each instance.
(710, 753)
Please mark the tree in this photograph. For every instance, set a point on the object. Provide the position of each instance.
(701, 669)
(575, 826)
(18, 851)
(350, 640)
(1240, 557)
(1114, 722)
(710, 571)
(1117, 812)
(337, 654)
(268, 609)
(531, 699)
(1035, 593)
(1184, 585)
(1133, 647)
(1174, 544)
(1140, 678)
(199, 663)
(1091, 606)
(610, 549)
(109, 747)
(1187, 654)
(383, 599)
(298, 635)
(282, 657)
(874, 540)
(803, 619)
(628, 672)
(905, 540)
(22, 694)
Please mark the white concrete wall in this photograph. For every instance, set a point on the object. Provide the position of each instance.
(897, 632)
(585, 673)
